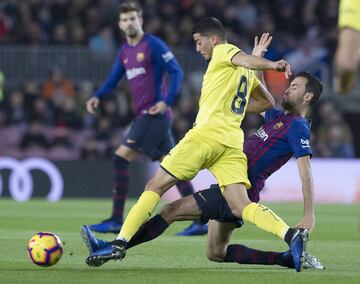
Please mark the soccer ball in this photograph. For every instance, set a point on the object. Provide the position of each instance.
(45, 249)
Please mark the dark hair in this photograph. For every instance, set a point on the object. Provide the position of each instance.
(130, 6)
(313, 85)
(210, 26)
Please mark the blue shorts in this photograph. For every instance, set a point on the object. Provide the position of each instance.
(213, 206)
(151, 135)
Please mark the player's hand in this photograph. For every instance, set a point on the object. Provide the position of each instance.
(307, 222)
(260, 46)
(283, 66)
(159, 107)
(92, 104)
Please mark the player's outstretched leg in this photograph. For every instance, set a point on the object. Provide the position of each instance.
(298, 248)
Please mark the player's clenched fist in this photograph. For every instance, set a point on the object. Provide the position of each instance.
(283, 66)
(92, 104)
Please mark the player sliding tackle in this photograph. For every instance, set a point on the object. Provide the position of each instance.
(227, 87)
(211, 205)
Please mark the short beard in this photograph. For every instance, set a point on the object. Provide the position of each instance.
(287, 105)
(133, 34)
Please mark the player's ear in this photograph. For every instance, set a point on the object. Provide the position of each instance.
(308, 97)
(214, 39)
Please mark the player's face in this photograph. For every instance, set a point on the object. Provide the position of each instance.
(294, 95)
(204, 45)
(130, 23)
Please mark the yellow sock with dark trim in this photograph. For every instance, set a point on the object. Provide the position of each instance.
(138, 214)
(265, 219)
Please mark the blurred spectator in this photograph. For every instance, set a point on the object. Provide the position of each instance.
(31, 93)
(66, 114)
(42, 112)
(57, 86)
(89, 151)
(103, 43)
(334, 137)
(2, 83)
(335, 144)
(103, 130)
(34, 136)
(15, 110)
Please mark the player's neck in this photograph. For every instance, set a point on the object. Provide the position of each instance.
(135, 40)
(297, 112)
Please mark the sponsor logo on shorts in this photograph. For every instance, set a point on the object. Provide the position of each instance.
(200, 194)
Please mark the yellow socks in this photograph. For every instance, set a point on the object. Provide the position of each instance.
(138, 214)
(265, 219)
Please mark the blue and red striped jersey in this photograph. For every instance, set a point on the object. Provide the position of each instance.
(281, 137)
(145, 65)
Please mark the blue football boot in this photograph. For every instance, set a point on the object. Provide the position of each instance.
(115, 250)
(194, 230)
(92, 243)
(298, 248)
(106, 226)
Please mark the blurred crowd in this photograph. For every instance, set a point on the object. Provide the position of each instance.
(49, 118)
(300, 26)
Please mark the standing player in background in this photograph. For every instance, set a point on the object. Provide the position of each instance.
(267, 152)
(215, 143)
(348, 49)
(144, 59)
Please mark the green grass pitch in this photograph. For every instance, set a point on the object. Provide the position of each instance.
(170, 259)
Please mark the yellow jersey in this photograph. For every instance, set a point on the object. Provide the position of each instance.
(224, 97)
(349, 14)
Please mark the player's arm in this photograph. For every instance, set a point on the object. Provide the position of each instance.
(260, 47)
(167, 59)
(259, 63)
(117, 72)
(261, 100)
(308, 221)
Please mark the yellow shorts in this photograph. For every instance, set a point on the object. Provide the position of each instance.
(349, 14)
(196, 152)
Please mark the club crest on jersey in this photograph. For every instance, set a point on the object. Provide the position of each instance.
(140, 56)
(278, 125)
(125, 61)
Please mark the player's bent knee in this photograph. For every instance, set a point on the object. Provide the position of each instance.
(169, 212)
(238, 209)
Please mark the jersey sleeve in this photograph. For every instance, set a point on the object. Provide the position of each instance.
(272, 113)
(166, 58)
(255, 80)
(299, 138)
(223, 53)
(116, 73)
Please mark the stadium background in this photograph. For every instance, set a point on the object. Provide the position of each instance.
(54, 54)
